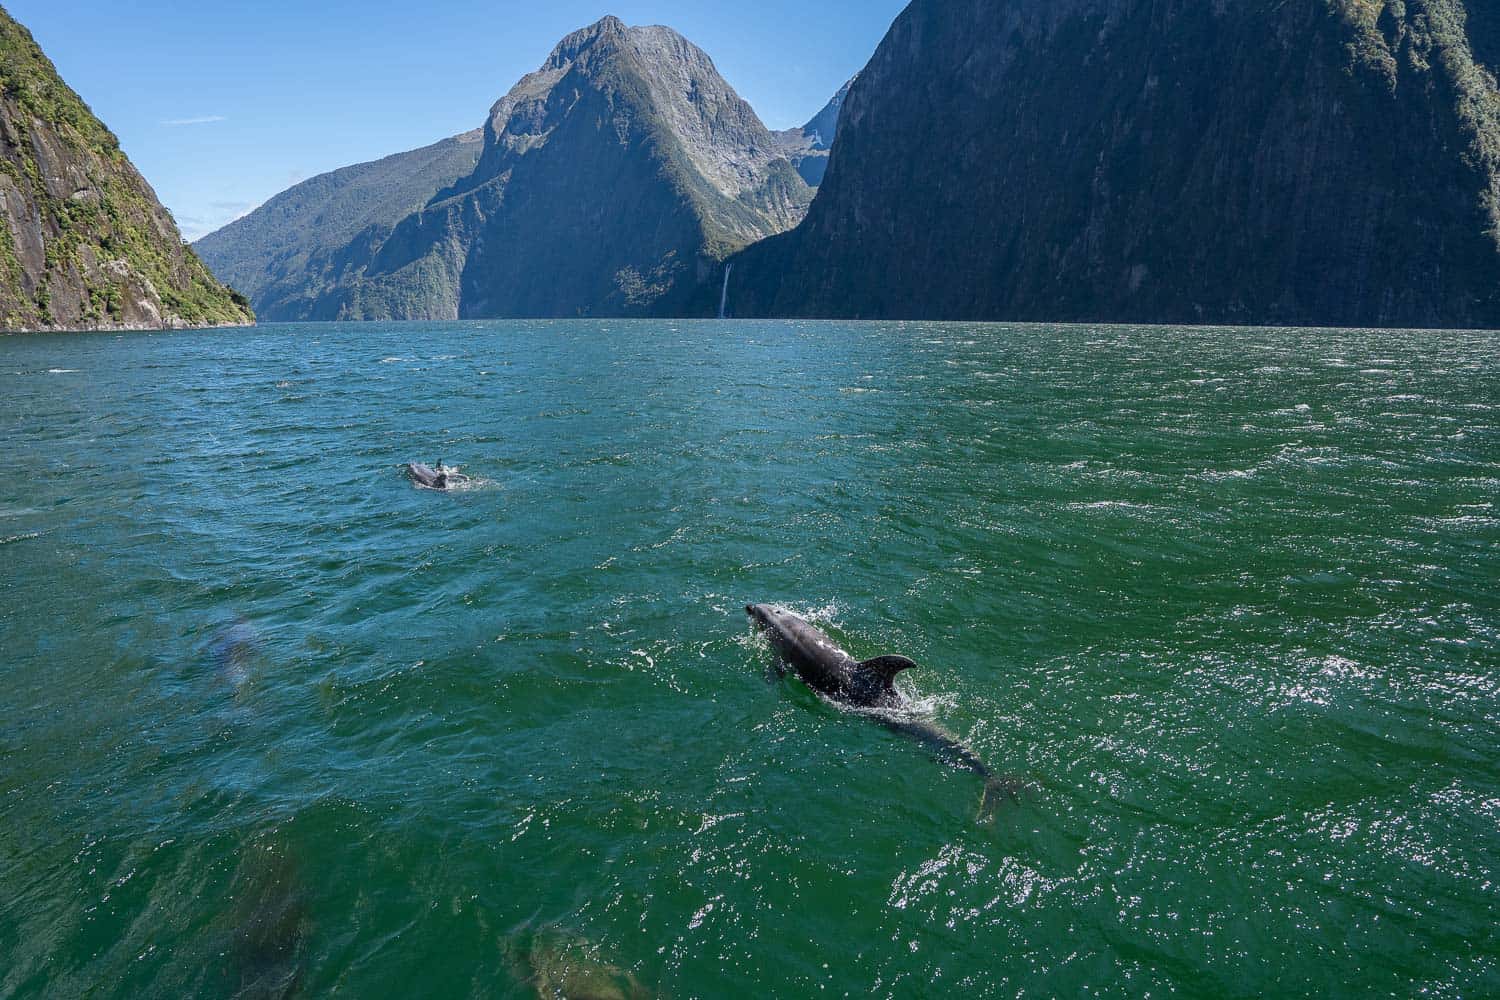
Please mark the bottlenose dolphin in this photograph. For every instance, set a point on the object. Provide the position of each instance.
(869, 685)
(426, 476)
(441, 478)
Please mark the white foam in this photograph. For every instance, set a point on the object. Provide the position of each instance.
(1110, 505)
(458, 482)
(827, 614)
(915, 707)
(703, 913)
(20, 538)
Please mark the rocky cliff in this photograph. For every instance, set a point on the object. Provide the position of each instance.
(610, 182)
(84, 243)
(1241, 161)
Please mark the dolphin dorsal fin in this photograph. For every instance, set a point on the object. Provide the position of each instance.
(887, 667)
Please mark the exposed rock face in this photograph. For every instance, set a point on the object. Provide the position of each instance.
(290, 251)
(1247, 161)
(610, 183)
(807, 147)
(84, 244)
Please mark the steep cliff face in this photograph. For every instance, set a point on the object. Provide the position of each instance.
(84, 244)
(610, 183)
(286, 254)
(808, 147)
(1318, 162)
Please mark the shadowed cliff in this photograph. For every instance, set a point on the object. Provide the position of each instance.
(1331, 162)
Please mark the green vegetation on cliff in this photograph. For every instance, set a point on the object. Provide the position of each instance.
(83, 241)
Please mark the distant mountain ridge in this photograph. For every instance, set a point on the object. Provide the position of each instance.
(289, 252)
(84, 243)
(808, 147)
(611, 182)
(1319, 163)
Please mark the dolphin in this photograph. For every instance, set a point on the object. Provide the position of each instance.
(869, 686)
(235, 650)
(426, 476)
(444, 477)
(271, 923)
(561, 964)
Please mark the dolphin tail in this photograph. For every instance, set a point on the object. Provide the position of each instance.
(997, 792)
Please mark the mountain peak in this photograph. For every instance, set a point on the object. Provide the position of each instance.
(825, 125)
(663, 77)
(609, 31)
(609, 182)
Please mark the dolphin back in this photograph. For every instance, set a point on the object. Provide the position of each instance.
(422, 475)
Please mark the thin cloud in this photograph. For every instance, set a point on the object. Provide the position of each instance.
(221, 213)
(200, 120)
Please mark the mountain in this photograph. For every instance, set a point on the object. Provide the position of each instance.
(288, 252)
(610, 182)
(84, 244)
(1330, 162)
(807, 147)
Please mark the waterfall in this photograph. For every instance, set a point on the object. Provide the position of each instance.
(724, 295)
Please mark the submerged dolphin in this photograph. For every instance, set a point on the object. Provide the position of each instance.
(235, 650)
(269, 926)
(556, 963)
(868, 684)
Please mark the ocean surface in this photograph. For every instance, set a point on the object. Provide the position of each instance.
(274, 722)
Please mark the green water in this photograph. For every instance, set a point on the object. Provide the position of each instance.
(273, 722)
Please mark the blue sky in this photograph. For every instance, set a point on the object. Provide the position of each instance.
(223, 104)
